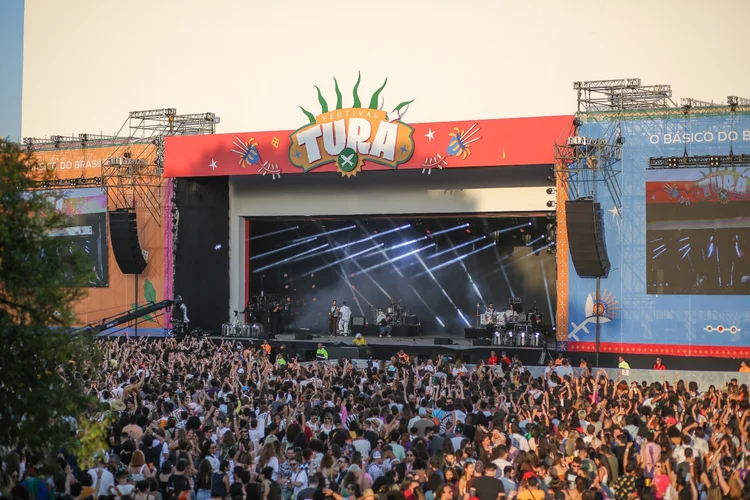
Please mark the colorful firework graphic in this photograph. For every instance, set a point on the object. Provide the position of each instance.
(248, 151)
(460, 141)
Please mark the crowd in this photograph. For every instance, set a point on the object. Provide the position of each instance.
(191, 419)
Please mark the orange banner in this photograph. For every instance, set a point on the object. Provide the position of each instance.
(84, 162)
(120, 295)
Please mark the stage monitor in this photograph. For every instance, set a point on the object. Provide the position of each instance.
(698, 231)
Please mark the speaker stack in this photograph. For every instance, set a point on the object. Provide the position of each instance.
(123, 233)
(588, 249)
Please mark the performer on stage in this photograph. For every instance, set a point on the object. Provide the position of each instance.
(333, 319)
(385, 326)
(277, 322)
(490, 319)
(510, 315)
(345, 314)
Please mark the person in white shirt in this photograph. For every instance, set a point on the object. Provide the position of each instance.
(361, 444)
(107, 479)
(344, 319)
(298, 480)
(519, 440)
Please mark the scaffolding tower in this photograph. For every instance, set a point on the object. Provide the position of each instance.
(138, 180)
(581, 162)
(136, 165)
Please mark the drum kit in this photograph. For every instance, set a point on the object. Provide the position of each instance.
(396, 310)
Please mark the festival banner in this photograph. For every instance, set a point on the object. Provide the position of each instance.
(363, 137)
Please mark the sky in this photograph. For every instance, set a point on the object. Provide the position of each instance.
(11, 67)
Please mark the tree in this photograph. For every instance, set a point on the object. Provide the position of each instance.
(44, 368)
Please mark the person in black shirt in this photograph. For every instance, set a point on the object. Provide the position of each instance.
(178, 483)
(487, 487)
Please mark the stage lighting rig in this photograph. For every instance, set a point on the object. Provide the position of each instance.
(551, 204)
(711, 161)
(551, 191)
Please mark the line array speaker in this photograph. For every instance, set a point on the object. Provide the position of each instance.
(123, 233)
(588, 249)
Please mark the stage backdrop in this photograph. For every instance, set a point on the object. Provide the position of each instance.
(679, 249)
(115, 292)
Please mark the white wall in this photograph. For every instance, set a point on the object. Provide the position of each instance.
(88, 62)
(499, 191)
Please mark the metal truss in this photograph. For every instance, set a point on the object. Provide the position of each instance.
(711, 161)
(136, 182)
(583, 162)
(734, 101)
(166, 121)
(622, 94)
(75, 182)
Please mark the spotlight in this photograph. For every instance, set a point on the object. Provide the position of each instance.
(714, 161)
(526, 238)
(550, 204)
(673, 162)
(550, 226)
(550, 190)
(551, 179)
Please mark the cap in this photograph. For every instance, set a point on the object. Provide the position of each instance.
(358, 336)
(422, 412)
(528, 475)
(376, 455)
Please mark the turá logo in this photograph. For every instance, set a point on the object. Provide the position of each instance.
(351, 136)
(726, 184)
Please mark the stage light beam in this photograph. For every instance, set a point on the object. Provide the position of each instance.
(457, 259)
(273, 233)
(395, 259)
(308, 273)
(333, 231)
(265, 254)
(288, 259)
(509, 229)
(456, 247)
(346, 245)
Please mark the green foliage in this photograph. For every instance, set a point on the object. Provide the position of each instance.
(43, 367)
(376, 96)
(402, 105)
(92, 440)
(309, 115)
(322, 101)
(357, 103)
(338, 94)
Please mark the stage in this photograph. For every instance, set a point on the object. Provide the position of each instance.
(423, 346)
